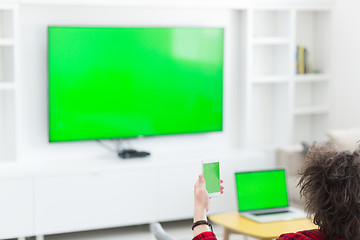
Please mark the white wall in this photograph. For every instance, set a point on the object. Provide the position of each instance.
(34, 20)
(346, 65)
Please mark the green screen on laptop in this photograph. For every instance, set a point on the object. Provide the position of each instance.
(261, 190)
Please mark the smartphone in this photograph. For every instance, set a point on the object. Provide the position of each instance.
(211, 173)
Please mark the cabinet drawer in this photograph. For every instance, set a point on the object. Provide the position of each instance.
(176, 191)
(16, 208)
(93, 201)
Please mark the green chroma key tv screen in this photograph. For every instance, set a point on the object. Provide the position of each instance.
(261, 190)
(119, 82)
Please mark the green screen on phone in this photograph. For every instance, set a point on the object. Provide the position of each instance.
(261, 190)
(212, 177)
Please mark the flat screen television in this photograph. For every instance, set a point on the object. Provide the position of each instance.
(122, 82)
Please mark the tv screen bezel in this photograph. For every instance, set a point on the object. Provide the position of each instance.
(138, 136)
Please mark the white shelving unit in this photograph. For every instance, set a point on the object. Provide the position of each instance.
(312, 91)
(8, 48)
(282, 106)
(268, 76)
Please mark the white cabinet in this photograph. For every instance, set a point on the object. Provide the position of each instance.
(94, 200)
(16, 207)
(123, 194)
(175, 191)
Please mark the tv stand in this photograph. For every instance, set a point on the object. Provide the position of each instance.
(68, 191)
(131, 153)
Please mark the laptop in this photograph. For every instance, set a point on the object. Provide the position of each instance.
(262, 196)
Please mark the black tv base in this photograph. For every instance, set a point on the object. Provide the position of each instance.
(131, 153)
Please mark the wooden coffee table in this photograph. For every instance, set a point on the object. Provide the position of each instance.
(234, 223)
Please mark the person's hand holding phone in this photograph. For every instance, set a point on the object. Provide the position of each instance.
(202, 203)
(201, 196)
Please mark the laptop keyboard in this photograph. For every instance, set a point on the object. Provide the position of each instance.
(268, 213)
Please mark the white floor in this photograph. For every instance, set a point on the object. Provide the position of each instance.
(181, 230)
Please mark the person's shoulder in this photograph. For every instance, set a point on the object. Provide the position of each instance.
(313, 234)
(205, 236)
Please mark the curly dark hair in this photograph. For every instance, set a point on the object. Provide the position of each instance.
(330, 185)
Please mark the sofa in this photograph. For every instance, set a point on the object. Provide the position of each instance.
(292, 157)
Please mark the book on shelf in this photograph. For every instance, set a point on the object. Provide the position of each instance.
(302, 64)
